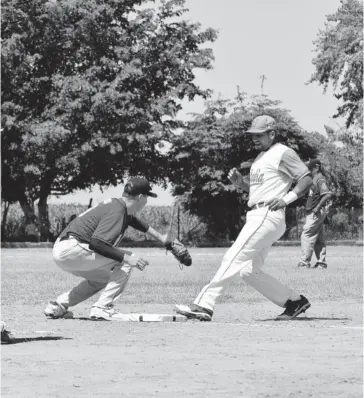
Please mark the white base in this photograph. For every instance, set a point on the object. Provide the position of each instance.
(153, 318)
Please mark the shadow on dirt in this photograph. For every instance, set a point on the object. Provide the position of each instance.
(17, 340)
(304, 319)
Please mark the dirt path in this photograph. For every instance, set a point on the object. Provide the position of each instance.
(243, 353)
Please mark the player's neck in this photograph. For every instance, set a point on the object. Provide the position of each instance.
(268, 147)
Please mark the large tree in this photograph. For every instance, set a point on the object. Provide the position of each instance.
(90, 91)
(212, 143)
(339, 59)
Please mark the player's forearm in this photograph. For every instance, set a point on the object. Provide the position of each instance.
(323, 201)
(156, 235)
(106, 250)
(300, 189)
(302, 186)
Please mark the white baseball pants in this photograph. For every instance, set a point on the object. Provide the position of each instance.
(246, 257)
(99, 273)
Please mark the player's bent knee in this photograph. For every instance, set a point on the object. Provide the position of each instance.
(98, 284)
(249, 272)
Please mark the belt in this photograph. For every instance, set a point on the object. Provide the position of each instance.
(258, 205)
(71, 236)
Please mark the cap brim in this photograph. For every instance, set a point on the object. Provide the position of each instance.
(152, 194)
(256, 131)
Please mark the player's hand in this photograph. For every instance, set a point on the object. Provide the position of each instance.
(136, 262)
(235, 177)
(276, 204)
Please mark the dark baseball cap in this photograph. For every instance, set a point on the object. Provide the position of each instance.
(261, 124)
(139, 186)
(313, 163)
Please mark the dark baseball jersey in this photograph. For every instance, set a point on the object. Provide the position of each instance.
(107, 222)
(319, 188)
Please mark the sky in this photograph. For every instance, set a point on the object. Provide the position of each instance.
(256, 37)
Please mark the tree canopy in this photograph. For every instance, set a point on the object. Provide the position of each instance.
(212, 143)
(90, 91)
(339, 59)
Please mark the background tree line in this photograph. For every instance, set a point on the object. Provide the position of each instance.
(342, 224)
(91, 91)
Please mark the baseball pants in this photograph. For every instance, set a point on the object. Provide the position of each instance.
(313, 238)
(246, 257)
(98, 271)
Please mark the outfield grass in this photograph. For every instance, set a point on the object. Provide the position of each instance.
(30, 277)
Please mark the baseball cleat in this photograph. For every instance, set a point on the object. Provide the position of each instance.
(320, 264)
(55, 310)
(294, 308)
(5, 335)
(303, 264)
(194, 312)
(108, 313)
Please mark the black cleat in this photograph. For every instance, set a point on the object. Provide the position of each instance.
(303, 264)
(194, 312)
(320, 264)
(5, 335)
(294, 308)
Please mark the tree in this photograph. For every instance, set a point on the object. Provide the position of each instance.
(90, 91)
(342, 158)
(339, 59)
(211, 144)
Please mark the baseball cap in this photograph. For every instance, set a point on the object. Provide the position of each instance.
(261, 124)
(139, 186)
(313, 163)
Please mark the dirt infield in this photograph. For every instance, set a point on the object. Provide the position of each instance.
(242, 353)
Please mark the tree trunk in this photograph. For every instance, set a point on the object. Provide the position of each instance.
(4, 219)
(29, 232)
(43, 216)
(27, 205)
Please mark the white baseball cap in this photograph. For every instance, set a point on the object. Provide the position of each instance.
(261, 124)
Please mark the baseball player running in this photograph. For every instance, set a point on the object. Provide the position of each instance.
(313, 234)
(87, 248)
(271, 176)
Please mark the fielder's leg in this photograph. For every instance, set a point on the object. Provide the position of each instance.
(308, 241)
(77, 259)
(104, 309)
(320, 248)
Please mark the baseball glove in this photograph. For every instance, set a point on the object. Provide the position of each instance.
(180, 252)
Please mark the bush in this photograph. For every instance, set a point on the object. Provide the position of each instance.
(342, 224)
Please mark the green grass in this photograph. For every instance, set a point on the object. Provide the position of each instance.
(29, 276)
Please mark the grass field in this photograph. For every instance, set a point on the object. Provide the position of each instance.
(242, 353)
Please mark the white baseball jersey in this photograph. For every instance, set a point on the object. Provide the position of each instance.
(273, 172)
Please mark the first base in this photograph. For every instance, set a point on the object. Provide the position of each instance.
(153, 318)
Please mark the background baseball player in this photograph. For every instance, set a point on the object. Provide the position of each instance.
(87, 248)
(271, 177)
(313, 234)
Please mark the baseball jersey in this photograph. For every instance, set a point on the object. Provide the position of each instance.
(273, 172)
(318, 188)
(106, 221)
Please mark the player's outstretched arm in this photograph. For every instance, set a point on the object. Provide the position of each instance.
(156, 235)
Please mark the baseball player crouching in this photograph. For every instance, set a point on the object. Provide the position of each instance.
(87, 248)
(273, 172)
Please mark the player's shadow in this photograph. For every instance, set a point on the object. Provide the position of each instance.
(84, 318)
(304, 319)
(18, 340)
